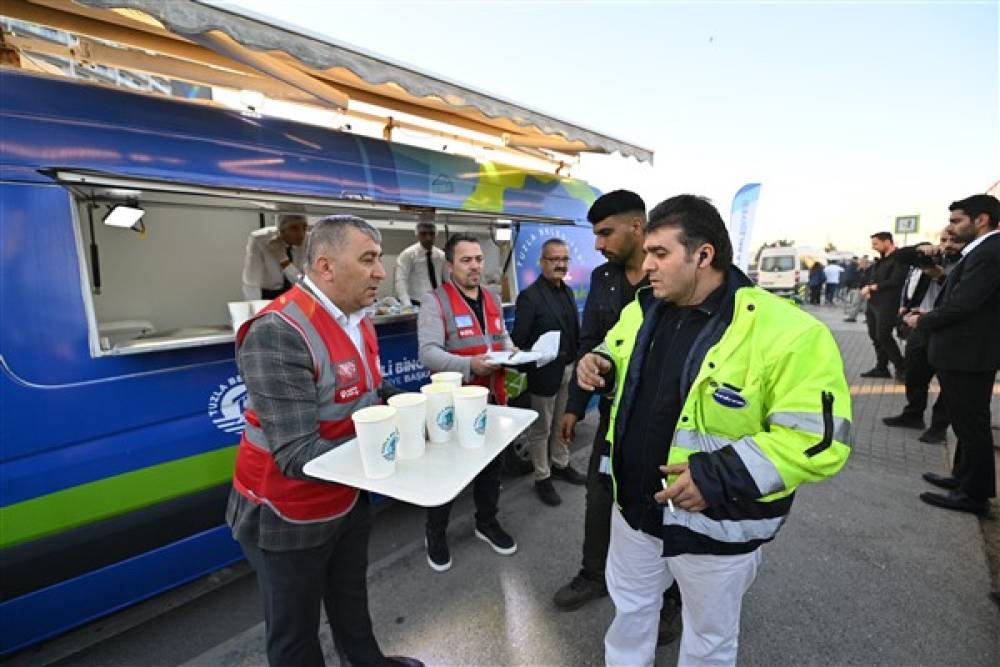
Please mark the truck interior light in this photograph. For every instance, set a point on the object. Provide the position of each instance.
(124, 215)
(502, 234)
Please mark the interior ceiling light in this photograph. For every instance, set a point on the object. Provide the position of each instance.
(126, 216)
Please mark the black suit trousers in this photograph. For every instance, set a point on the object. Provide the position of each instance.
(967, 396)
(881, 321)
(919, 373)
(295, 583)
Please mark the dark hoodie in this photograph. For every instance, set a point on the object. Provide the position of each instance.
(670, 346)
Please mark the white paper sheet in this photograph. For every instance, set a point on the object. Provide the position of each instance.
(544, 351)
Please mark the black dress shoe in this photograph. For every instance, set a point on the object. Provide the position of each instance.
(942, 481)
(956, 500)
(547, 492)
(402, 661)
(934, 436)
(877, 373)
(569, 474)
(904, 420)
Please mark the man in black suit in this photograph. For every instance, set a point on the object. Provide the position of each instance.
(883, 292)
(549, 305)
(963, 349)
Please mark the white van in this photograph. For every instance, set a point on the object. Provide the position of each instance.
(783, 270)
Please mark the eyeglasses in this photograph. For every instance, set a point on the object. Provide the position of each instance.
(557, 260)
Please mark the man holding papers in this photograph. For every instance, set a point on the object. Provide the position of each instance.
(459, 323)
(548, 305)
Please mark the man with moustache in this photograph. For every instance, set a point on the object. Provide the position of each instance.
(963, 349)
(743, 396)
(459, 323)
(310, 360)
(548, 304)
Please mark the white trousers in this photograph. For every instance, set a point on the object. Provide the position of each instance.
(712, 589)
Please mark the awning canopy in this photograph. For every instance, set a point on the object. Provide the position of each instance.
(221, 45)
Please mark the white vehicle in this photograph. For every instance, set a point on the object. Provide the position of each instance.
(783, 270)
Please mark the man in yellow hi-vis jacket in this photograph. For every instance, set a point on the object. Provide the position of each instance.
(743, 397)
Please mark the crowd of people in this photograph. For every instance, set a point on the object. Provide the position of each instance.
(943, 301)
(716, 400)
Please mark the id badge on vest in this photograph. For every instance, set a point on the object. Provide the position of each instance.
(465, 326)
(348, 381)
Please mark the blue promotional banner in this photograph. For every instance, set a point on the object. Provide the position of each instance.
(583, 258)
(741, 223)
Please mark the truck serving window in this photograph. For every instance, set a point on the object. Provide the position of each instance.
(163, 270)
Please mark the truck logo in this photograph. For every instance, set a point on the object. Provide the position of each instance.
(226, 405)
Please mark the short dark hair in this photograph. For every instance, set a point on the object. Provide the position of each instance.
(426, 225)
(550, 242)
(615, 202)
(454, 240)
(882, 236)
(977, 205)
(699, 222)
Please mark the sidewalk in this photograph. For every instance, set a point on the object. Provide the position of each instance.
(862, 573)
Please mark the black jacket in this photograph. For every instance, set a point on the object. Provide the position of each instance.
(537, 311)
(964, 324)
(889, 275)
(608, 284)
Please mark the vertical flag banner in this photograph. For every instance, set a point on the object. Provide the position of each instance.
(741, 223)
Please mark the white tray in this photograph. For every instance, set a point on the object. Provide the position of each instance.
(436, 477)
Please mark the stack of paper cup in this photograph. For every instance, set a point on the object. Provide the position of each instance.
(411, 411)
(447, 377)
(470, 415)
(440, 411)
(377, 440)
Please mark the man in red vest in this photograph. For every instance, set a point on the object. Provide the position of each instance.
(310, 360)
(459, 323)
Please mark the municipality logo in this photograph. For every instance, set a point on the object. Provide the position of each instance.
(389, 446)
(226, 405)
(446, 418)
(480, 423)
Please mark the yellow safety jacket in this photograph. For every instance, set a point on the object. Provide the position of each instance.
(766, 407)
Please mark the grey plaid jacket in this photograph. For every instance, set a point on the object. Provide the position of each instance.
(277, 368)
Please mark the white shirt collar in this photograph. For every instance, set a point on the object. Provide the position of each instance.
(969, 248)
(343, 320)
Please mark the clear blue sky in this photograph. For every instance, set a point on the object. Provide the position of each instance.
(847, 113)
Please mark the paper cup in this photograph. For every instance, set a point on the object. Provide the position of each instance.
(440, 411)
(411, 411)
(449, 377)
(378, 438)
(470, 415)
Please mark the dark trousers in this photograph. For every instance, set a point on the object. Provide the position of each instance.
(918, 378)
(831, 292)
(967, 396)
(295, 583)
(814, 293)
(597, 517)
(485, 493)
(881, 321)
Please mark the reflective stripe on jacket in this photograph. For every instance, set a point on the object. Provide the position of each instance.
(766, 408)
(464, 337)
(345, 382)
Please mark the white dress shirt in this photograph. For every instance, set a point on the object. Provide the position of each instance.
(832, 273)
(261, 270)
(351, 324)
(972, 244)
(412, 281)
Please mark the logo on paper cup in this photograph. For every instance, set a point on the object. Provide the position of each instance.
(389, 446)
(480, 423)
(446, 418)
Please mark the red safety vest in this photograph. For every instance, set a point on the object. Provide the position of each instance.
(463, 335)
(345, 383)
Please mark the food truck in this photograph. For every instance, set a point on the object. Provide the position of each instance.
(120, 400)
